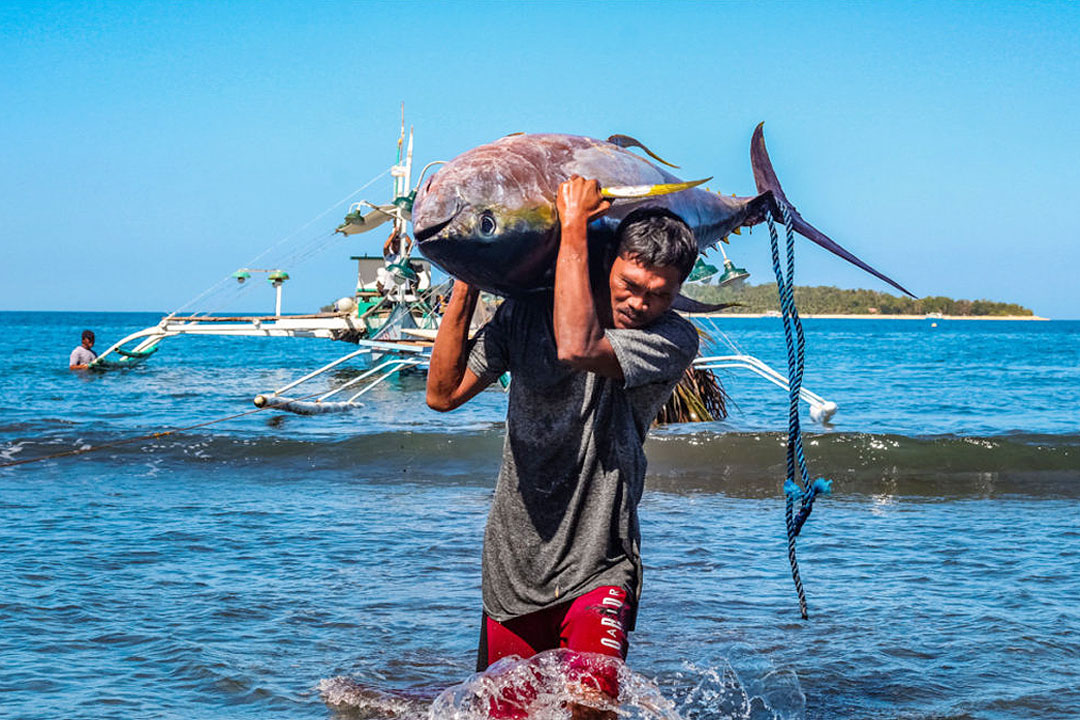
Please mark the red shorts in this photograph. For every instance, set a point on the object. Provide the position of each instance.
(594, 622)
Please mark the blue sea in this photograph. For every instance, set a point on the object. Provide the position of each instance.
(328, 566)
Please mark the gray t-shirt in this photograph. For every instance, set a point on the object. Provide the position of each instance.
(82, 356)
(564, 518)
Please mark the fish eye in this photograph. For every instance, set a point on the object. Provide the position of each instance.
(487, 223)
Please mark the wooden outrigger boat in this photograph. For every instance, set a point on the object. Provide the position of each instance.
(392, 317)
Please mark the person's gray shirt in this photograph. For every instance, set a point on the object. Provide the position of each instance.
(564, 520)
(82, 356)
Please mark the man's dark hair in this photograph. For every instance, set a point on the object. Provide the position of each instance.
(656, 236)
(88, 335)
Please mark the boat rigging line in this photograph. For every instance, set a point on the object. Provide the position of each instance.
(229, 281)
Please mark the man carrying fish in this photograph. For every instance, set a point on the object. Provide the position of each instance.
(592, 362)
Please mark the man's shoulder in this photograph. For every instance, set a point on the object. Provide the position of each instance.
(535, 301)
(527, 311)
(81, 356)
(677, 320)
(677, 328)
(656, 353)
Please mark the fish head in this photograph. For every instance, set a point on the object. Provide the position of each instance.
(488, 217)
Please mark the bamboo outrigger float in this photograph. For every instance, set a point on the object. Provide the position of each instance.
(392, 318)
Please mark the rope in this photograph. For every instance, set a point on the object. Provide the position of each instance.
(796, 483)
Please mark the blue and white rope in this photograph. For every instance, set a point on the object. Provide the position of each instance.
(796, 484)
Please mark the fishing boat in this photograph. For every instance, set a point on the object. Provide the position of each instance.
(391, 316)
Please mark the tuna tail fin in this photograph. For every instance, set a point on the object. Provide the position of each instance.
(765, 178)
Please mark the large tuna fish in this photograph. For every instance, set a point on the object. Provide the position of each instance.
(488, 216)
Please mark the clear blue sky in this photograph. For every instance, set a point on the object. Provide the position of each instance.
(149, 149)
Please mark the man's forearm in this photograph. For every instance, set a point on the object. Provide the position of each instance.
(577, 327)
(579, 336)
(446, 367)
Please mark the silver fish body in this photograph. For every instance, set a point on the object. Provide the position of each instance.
(488, 216)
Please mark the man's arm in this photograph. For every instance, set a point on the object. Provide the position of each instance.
(579, 336)
(449, 382)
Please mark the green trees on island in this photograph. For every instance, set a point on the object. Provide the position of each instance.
(827, 300)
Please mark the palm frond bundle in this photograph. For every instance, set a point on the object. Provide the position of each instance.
(699, 397)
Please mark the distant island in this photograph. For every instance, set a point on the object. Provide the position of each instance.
(828, 300)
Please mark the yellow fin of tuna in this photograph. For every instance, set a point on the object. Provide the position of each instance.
(625, 141)
(640, 191)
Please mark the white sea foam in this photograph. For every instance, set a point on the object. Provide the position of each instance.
(544, 687)
(13, 449)
(351, 697)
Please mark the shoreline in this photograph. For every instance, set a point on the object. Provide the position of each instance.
(1034, 318)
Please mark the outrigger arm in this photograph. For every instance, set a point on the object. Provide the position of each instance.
(319, 325)
(380, 372)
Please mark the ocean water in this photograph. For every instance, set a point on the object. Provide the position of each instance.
(322, 567)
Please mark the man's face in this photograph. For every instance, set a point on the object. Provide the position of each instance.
(88, 342)
(640, 293)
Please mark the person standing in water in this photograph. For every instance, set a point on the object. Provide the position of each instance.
(591, 366)
(83, 355)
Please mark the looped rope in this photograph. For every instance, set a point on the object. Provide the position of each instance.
(796, 484)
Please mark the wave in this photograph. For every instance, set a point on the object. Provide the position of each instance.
(680, 461)
(753, 464)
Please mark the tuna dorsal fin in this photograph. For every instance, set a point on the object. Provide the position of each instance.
(625, 141)
(690, 305)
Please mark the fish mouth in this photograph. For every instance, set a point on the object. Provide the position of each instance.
(433, 230)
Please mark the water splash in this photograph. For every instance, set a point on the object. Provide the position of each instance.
(758, 691)
(350, 699)
(556, 684)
